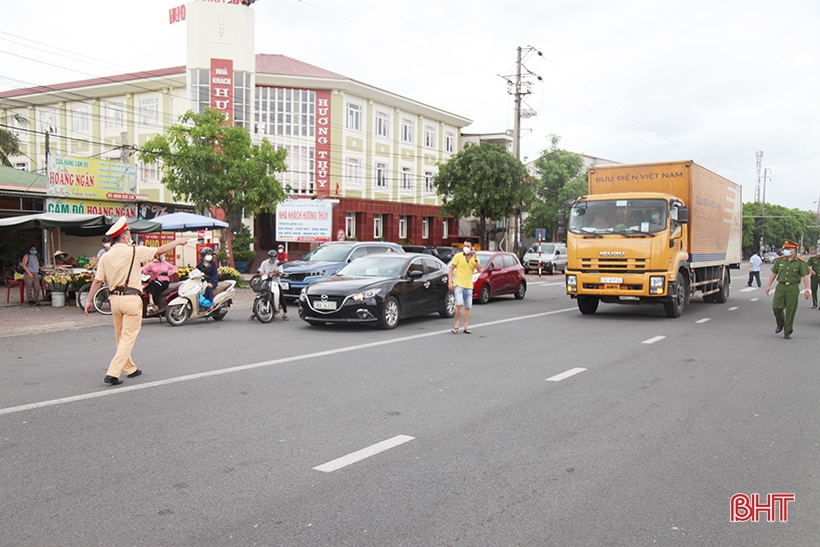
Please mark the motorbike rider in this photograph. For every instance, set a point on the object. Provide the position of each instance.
(273, 267)
(159, 272)
(210, 271)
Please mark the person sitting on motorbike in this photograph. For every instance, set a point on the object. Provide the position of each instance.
(210, 271)
(159, 272)
(273, 267)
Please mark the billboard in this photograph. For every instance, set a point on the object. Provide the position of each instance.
(304, 220)
(91, 207)
(91, 179)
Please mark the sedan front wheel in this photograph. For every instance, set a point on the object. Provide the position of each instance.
(390, 313)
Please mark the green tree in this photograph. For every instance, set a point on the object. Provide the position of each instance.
(777, 224)
(562, 178)
(9, 143)
(484, 181)
(214, 165)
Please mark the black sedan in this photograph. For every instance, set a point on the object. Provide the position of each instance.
(380, 289)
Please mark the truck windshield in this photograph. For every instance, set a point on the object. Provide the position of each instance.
(647, 216)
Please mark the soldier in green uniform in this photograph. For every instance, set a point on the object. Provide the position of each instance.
(788, 269)
(814, 264)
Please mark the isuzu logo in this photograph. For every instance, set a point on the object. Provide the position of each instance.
(612, 253)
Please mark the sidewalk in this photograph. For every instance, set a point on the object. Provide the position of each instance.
(20, 319)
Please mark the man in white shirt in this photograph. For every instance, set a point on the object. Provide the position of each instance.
(754, 269)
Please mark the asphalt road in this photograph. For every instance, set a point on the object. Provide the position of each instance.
(240, 433)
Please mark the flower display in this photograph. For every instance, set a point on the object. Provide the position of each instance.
(57, 282)
(182, 273)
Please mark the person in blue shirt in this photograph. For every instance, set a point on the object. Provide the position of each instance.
(754, 269)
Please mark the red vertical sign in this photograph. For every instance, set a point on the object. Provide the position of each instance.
(323, 143)
(222, 86)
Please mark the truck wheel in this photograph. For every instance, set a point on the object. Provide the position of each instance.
(722, 296)
(588, 304)
(674, 308)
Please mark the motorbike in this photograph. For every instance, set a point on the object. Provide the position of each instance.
(187, 303)
(149, 309)
(266, 303)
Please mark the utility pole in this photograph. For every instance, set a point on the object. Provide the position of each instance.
(759, 157)
(518, 88)
(763, 208)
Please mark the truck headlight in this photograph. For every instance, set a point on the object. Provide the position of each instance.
(656, 284)
(572, 283)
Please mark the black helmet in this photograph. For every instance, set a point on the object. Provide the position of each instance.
(272, 254)
(205, 251)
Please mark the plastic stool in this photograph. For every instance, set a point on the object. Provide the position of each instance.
(15, 284)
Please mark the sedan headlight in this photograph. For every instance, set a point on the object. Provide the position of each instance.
(303, 295)
(572, 283)
(656, 284)
(362, 296)
(475, 277)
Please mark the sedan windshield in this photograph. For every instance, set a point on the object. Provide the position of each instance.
(376, 266)
(619, 216)
(545, 248)
(328, 253)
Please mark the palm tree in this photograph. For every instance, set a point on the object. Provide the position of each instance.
(9, 143)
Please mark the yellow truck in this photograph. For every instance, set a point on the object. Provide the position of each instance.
(654, 233)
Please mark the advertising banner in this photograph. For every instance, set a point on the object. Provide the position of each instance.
(304, 221)
(158, 239)
(91, 179)
(323, 142)
(85, 207)
(222, 86)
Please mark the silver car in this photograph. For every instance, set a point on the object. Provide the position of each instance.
(553, 258)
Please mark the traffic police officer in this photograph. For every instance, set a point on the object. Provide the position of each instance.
(120, 268)
(814, 264)
(788, 269)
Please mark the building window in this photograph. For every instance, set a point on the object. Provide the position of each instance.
(354, 116)
(402, 227)
(377, 226)
(350, 225)
(285, 112)
(449, 142)
(48, 121)
(114, 115)
(429, 136)
(354, 175)
(148, 172)
(79, 119)
(428, 182)
(382, 124)
(407, 130)
(301, 164)
(149, 112)
(21, 165)
(406, 178)
(425, 228)
(381, 175)
(200, 89)
(445, 229)
(242, 99)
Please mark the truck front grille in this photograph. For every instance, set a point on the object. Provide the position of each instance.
(614, 265)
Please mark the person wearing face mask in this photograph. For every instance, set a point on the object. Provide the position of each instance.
(210, 271)
(463, 265)
(655, 219)
(273, 267)
(788, 269)
(159, 276)
(120, 268)
(106, 245)
(31, 276)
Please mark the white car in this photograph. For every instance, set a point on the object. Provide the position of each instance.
(553, 258)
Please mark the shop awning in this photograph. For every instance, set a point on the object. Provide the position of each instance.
(90, 225)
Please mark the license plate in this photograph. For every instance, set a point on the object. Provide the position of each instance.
(324, 305)
(614, 280)
(284, 286)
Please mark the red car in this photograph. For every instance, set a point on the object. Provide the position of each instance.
(501, 273)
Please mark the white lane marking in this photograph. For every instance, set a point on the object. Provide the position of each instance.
(755, 299)
(119, 390)
(653, 340)
(359, 455)
(749, 289)
(545, 284)
(704, 320)
(567, 374)
(733, 308)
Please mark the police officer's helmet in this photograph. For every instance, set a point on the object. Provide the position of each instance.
(205, 251)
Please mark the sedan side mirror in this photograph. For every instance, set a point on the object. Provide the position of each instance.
(415, 274)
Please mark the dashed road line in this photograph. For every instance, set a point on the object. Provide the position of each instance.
(565, 375)
(359, 455)
(704, 320)
(653, 340)
(733, 308)
(748, 289)
(754, 299)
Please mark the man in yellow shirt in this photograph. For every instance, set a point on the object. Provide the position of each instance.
(463, 265)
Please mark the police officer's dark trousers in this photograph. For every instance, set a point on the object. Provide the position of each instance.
(786, 298)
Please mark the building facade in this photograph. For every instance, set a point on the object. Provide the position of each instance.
(373, 152)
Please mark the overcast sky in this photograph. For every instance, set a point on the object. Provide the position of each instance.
(629, 81)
